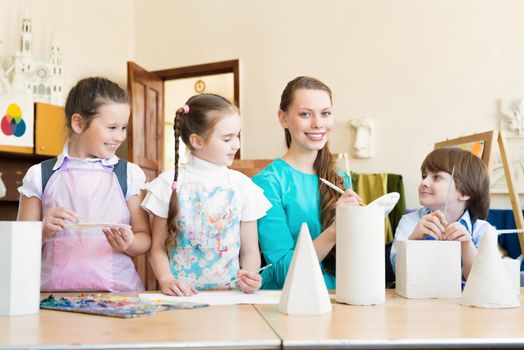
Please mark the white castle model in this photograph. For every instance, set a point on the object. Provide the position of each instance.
(42, 81)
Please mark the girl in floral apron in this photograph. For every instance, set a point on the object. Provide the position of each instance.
(205, 215)
(82, 189)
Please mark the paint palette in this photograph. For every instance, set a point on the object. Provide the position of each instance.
(387, 202)
(114, 306)
(88, 225)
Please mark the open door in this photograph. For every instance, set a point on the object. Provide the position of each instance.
(145, 129)
(145, 137)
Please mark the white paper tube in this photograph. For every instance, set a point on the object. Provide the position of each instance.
(360, 255)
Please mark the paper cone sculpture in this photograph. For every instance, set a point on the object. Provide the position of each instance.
(20, 251)
(488, 284)
(305, 291)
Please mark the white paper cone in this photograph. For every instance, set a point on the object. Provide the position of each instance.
(360, 255)
(488, 284)
(20, 252)
(304, 292)
(513, 269)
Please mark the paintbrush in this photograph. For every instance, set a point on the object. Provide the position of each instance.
(501, 232)
(449, 190)
(329, 184)
(336, 188)
(260, 269)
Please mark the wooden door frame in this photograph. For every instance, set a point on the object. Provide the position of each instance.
(231, 66)
(198, 70)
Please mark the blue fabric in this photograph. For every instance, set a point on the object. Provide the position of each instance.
(295, 199)
(503, 219)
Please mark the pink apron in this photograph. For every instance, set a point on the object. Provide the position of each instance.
(82, 259)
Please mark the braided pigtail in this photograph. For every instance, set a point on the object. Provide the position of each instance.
(173, 213)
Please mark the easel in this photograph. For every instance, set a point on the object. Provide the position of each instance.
(488, 139)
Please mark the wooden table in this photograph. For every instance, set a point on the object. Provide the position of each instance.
(401, 323)
(226, 327)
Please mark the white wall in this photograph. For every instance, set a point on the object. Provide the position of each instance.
(424, 70)
(96, 36)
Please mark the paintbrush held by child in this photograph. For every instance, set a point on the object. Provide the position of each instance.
(454, 194)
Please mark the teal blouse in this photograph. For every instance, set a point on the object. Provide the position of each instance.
(295, 199)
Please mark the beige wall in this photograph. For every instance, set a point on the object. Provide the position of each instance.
(423, 70)
(96, 36)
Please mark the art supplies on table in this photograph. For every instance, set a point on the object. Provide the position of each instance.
(220, 297)
(114, 306)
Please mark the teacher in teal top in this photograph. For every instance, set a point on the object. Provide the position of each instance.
(291, 183)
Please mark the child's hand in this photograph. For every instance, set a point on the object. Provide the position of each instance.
(175, 287)
(249, 282)
(55, 219)
(349, 197)
(120, 238)
(457, 232)
(433, 225)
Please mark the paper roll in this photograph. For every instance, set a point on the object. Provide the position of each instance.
(360, 255)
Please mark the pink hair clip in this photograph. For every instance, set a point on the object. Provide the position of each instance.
(186, 109)
(174, 185)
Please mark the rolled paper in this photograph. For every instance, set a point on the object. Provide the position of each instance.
(360, 270)
(20, 253)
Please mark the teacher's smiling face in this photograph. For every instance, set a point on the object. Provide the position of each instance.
(308, 119)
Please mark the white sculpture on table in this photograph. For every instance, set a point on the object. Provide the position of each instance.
(304, 292)
(362, 142)
(488, 284)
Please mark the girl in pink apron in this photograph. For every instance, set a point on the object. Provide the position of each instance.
(205, 215)
(88, 199)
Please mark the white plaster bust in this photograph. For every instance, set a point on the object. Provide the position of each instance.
(514, 118)
(362, 142)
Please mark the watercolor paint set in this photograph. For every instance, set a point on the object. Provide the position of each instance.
(113, 306)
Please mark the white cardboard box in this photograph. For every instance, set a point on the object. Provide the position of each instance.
(20, 252)
(428, 269)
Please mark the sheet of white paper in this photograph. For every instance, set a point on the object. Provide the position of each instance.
(221, 298)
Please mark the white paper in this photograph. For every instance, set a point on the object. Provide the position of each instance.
(221, 297)
(360, 255)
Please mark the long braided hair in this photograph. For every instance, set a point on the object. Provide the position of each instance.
(324, 164)
(197, 116)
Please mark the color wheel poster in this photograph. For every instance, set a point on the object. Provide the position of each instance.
(16, 121)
